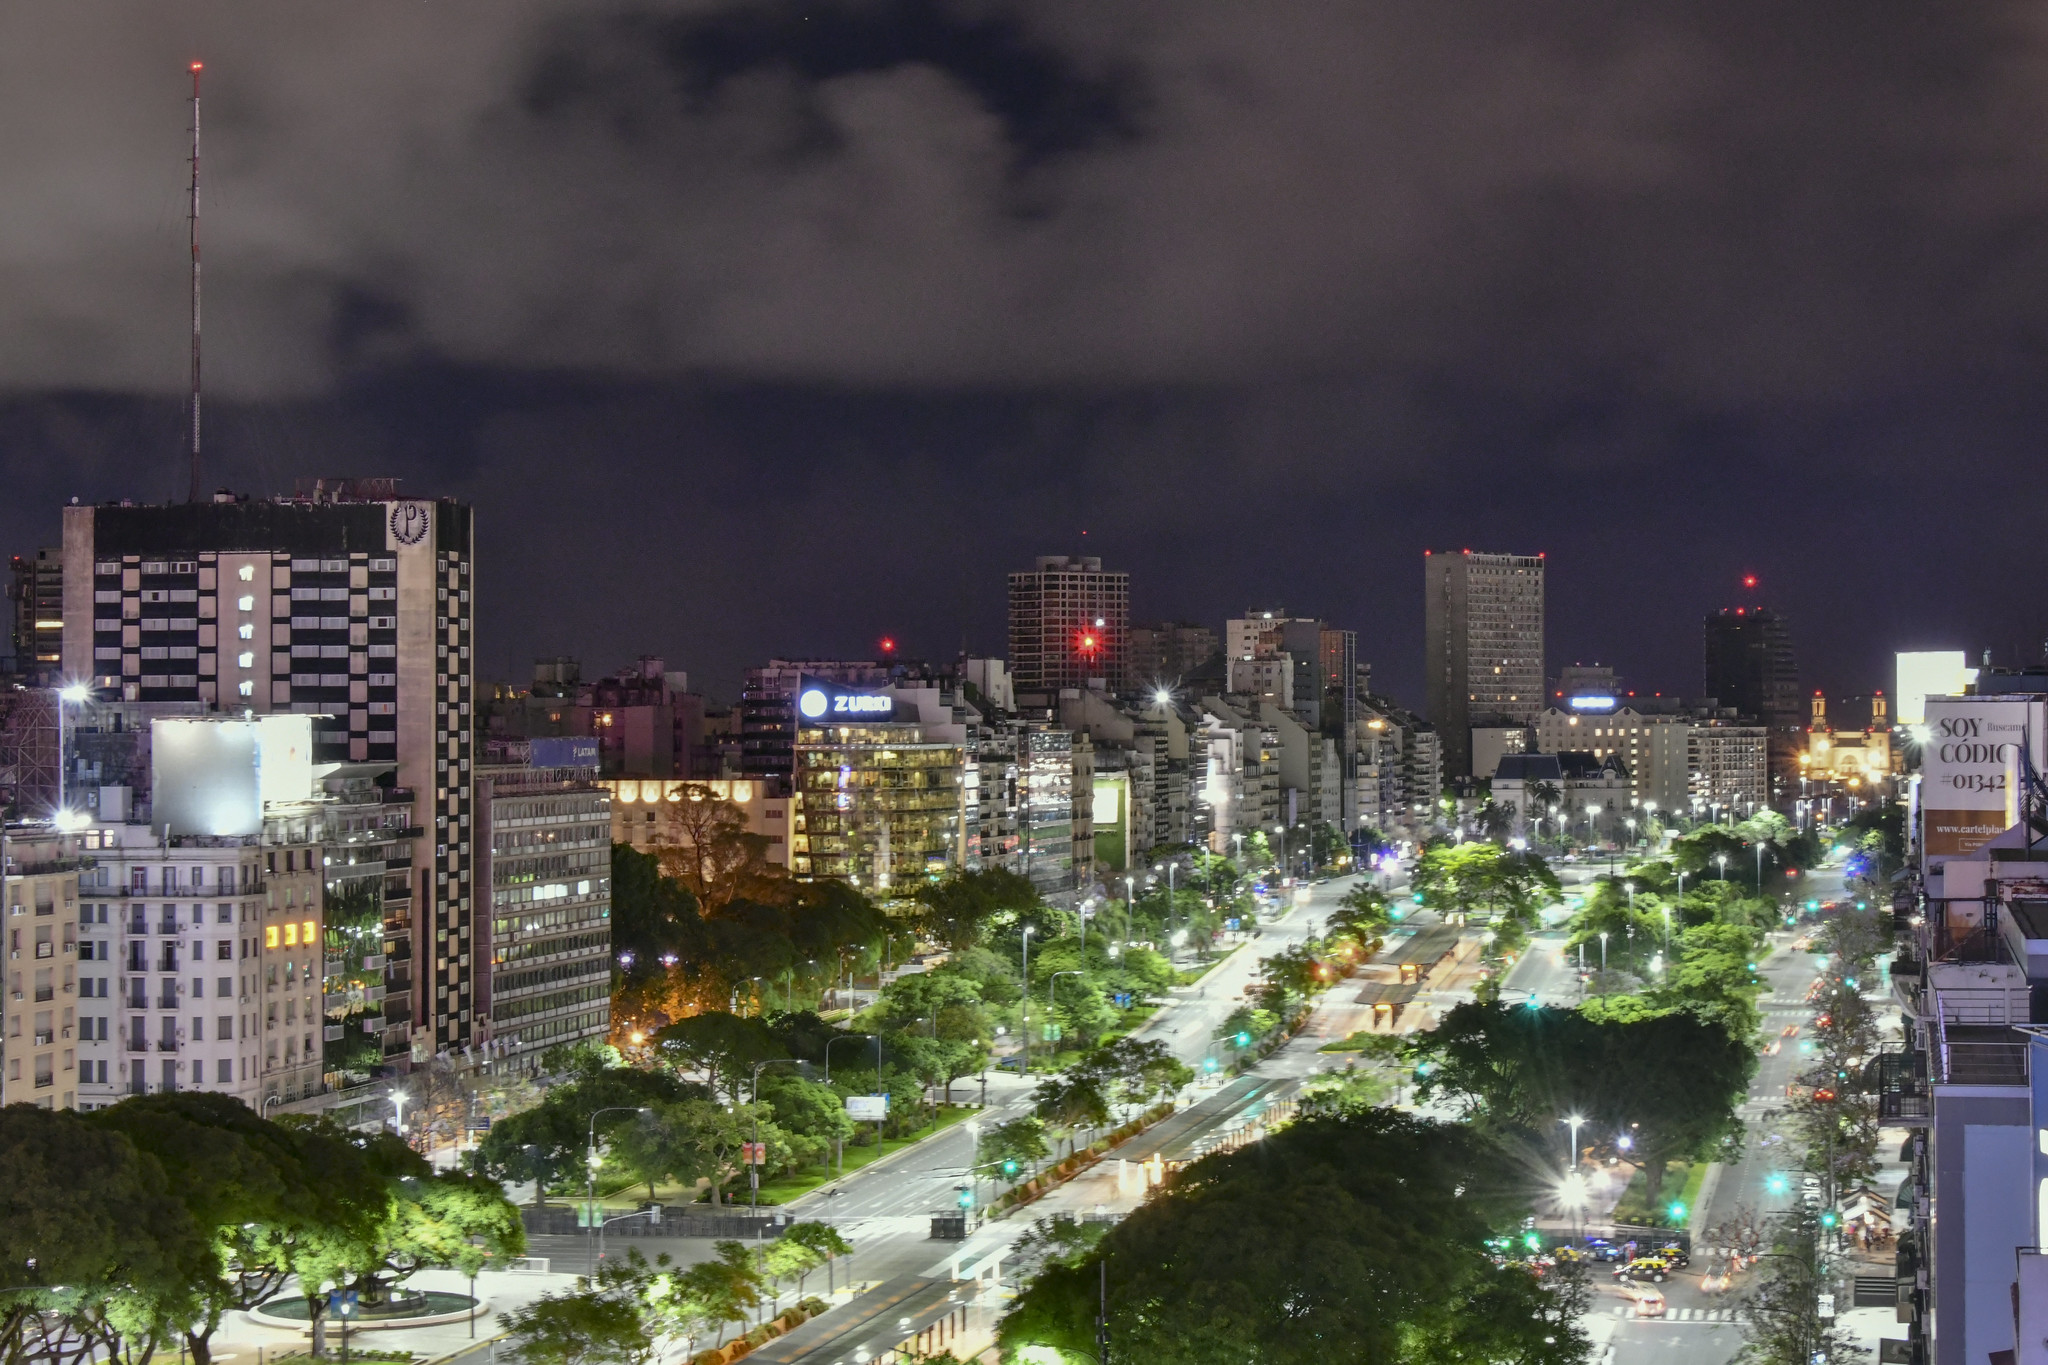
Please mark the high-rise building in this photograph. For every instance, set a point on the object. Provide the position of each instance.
(1070, 625)
(767, 709)
(346, 603)
(36, 627)
(1750, 666)
(1166, 653)
(1482, 645)
(545, 828)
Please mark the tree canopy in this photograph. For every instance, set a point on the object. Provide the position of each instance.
(1356, 1237)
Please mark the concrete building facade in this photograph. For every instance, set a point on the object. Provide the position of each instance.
(347, 604)
(1482, 645)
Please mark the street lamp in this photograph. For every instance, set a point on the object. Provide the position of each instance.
(1574, 1121)
(590, 1162)
(1722, 859)
(1026, 1001)
(1603, 951)
(1630, 887)
(399, 1099)
(754, 1088)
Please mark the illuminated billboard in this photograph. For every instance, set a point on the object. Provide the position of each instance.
(824, 703)
(1927, 673)
(1970, 768)
(214, 777)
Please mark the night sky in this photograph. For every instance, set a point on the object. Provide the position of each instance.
(769, 328)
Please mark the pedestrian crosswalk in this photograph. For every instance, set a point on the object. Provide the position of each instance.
(1626, 1310)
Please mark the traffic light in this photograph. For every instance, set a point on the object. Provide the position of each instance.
(1010, 1166)
(1777, 1184)
(1827, 1219)
(1533, 1240)
(1850, 983)
(1244, 1039)
(965, 1199)
(1677, 1212)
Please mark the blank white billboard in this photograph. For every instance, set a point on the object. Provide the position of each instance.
(1927, 673)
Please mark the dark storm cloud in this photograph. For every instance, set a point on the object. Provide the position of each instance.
(1265, 297)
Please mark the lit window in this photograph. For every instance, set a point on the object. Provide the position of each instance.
(245, 603)
(270, 936)
(248, 573)
(246, 631)
(246, 688)
(306, 931)
(291, 935)
(245, 660)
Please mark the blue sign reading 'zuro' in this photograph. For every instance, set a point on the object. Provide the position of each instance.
(814, 703)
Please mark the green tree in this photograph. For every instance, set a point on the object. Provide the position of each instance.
(723, 1046)
(1780, 1315)
(957, 912)
(1070, 1103)
(1136, 1072)
(1010, 1151)
(1342, 1237)
(821, 1240)
(546, 1144)
(82, 1208)
(1672, 1080)
(245, 1186)
(582, 1327)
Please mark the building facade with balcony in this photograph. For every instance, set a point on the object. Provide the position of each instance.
(39, 1053)
(201, 964)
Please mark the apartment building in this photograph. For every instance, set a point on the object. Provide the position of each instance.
(39, 1057)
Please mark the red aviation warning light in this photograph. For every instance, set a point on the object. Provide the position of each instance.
(888, 644)
(1088, 642)
(1749, 580)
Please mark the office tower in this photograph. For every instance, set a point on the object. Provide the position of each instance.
(1166, 653)
(36, 630)
(1482, 645)
(346, 603)
(545, 829)
(767, 709)
(1750, 665)
(1069, 625)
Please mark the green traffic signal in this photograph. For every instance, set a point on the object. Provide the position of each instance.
(1244, 1039)
(1677, 1212)
(966, 1199)
(1533, 1241)
(1827, 1220)
(1010, 1167)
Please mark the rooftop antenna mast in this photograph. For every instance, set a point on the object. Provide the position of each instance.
(196, 68)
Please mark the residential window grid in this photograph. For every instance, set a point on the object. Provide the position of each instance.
(551, 913)
(321, 637)
(1051, 608)
(216, 986)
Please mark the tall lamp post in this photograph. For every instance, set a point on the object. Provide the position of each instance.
(1025, 1003)
(828, 1076)
(754, 1089)
(590, 1163)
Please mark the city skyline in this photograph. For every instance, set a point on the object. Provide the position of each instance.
(1362, 375)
